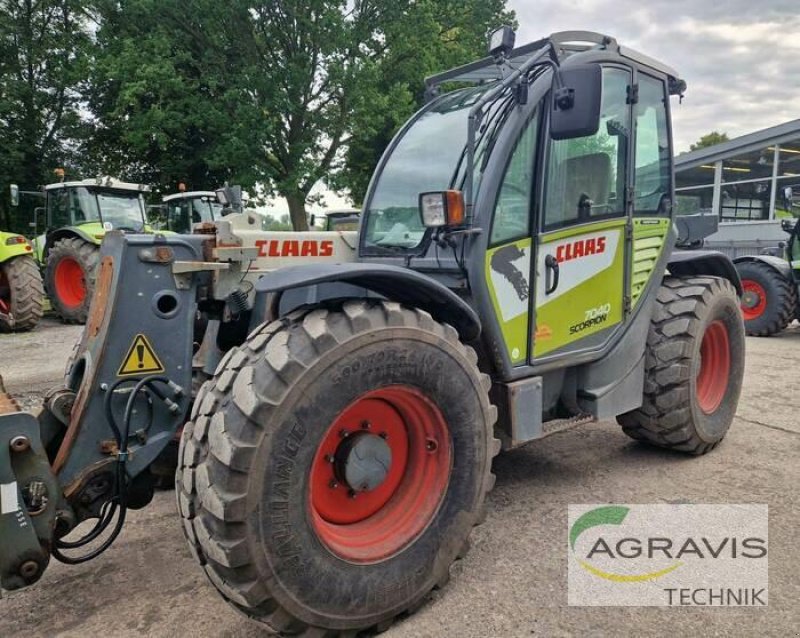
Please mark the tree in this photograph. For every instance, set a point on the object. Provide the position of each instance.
(44, 53)
(709, 139)
(164, 106)
(275, 93)
(421, 38)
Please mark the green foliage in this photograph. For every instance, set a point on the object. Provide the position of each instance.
(420, 38)
(279, 94)
(44, 54)
(709, 139)
(161, 97)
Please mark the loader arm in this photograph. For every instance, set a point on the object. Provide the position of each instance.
(87, 452)
(87, 455)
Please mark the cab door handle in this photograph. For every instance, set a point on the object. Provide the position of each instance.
(551, 274)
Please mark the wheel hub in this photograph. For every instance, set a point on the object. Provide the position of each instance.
(379, 474)
(363, 461)
(750, 299)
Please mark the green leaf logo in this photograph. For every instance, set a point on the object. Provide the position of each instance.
(610, 515)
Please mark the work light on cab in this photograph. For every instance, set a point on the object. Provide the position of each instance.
(442, 208)
(501, 42)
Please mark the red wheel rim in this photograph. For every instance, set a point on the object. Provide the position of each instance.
(715, 367)
(754, 299)
(367, 526)
(5, 293)
(70, 282)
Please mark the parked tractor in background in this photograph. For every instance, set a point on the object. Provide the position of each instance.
(340, 219)
(21, 290)
(771, 283)
(515, 274)
(69, 229)
(185, 209)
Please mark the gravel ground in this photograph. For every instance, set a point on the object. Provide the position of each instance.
(513, 582)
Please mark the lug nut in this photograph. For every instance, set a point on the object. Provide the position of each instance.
(329, 458)
(365, 425)
(383, 435)
(20, 444)
(344, 434)
(351, 493)
(431, 445)
(333, 484)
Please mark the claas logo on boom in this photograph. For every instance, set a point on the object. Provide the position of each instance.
(580, 248)
(294, 248)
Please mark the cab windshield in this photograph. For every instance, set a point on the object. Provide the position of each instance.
(122, 209)
(428, 157)
(182, 214)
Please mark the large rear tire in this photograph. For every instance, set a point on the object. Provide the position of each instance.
(769, 300)
(70, 276)
(21, 293)
(335, 466)
(694, 365)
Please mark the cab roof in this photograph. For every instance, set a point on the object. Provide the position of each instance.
(100, 182)
(562, 44)
(189, 195)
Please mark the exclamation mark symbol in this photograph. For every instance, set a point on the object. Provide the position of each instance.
(140, 355)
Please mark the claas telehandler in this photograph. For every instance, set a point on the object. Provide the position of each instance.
(517, 270)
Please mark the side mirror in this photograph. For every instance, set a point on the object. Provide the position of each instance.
(575, 102)
(222, 196)
(14, 195)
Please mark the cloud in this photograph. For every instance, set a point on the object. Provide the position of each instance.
(739, 57)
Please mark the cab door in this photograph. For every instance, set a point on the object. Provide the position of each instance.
(583, 242)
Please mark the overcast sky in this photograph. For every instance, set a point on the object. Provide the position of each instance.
(740, 58)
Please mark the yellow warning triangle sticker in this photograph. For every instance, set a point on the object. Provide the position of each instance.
(141, 359)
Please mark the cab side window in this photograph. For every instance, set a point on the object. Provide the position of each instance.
(58, 202)
(652, 179)
(586, 175)
(512, 210)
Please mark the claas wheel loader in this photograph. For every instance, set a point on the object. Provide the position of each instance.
(515, 272)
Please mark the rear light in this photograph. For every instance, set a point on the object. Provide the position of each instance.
(16, 239)
(442, 208)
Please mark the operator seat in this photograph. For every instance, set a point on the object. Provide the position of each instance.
(588, 177)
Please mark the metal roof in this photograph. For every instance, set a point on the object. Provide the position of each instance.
(740, 145)
(189, 195)
(101, 182)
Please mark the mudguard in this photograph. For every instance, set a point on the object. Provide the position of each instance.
(392, 282)
(778, 264)
(685, 263)
(15, 248)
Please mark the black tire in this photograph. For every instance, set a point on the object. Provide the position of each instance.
(247, 453)
(22, 293)
(72, 305)
(780, 303)
(689, 310)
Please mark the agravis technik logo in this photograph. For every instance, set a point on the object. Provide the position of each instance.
(674, 555)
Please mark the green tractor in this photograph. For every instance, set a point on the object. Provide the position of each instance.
(21, 290)
(771, 282)
(69, 229)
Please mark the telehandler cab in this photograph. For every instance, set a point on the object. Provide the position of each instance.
(515, 273)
